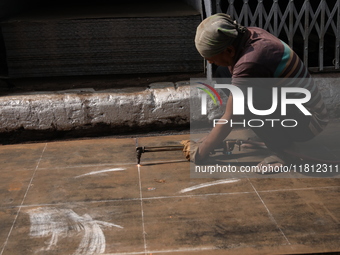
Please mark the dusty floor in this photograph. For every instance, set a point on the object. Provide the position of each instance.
(89, 197)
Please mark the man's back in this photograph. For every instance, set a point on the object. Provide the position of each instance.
(263, 55)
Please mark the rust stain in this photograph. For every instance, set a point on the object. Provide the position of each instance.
(15, 186)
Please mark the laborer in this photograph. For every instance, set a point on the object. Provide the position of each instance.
(255, 53)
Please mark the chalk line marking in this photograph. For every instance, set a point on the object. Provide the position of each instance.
(23, 200)
(102, 171)
(142, 210)
(61, 223)
(88, 165)
(267, 209)
(110, 164)
(163, 162)
(166, 251)
(169, 197)
(269, 213)
(208, 184)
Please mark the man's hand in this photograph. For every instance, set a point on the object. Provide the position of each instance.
(190, 150)
(217, 134)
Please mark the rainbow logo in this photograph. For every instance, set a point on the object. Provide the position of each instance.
(210, 94)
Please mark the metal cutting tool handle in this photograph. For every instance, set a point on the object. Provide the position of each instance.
(140, 150)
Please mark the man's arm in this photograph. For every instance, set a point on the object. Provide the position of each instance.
(218, 133)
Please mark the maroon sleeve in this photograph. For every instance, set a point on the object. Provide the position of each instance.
(251, 70)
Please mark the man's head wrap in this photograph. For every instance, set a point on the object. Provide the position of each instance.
(215, 34)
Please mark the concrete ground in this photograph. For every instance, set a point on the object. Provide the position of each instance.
(89, 197)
